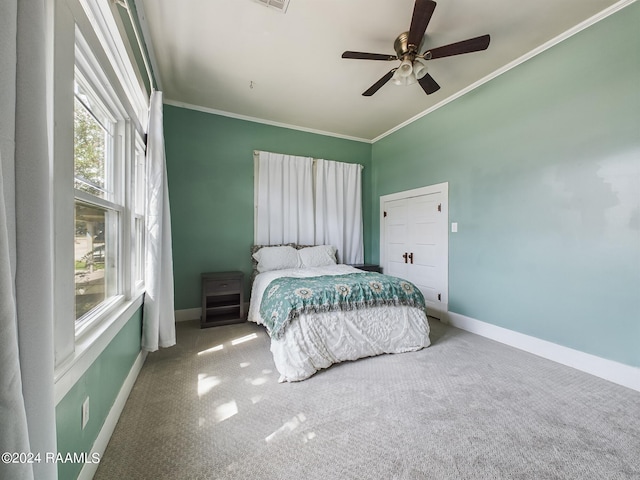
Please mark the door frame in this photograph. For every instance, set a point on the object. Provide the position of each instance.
(417, 192)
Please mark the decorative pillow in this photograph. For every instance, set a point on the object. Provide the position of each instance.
(319, 256)
(255, 248)
(276, 258)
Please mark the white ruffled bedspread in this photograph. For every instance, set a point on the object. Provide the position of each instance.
(316, 341)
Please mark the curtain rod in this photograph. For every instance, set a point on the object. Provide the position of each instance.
(143, 51)
(257, 152)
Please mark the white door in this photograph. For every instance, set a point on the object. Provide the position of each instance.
(396, 247)
(414, 242)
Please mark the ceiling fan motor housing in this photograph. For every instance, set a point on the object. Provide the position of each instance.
(402, 48)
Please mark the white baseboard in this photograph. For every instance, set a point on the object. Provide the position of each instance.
(100, 445)
(188, 314)
(615, 372)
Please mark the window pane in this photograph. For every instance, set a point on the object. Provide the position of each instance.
(139, 251)
(140, 184)
(92, 143)
(96, 250)
(90, 100)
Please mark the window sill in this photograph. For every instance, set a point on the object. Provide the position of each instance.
(90, 345)
(107, 310)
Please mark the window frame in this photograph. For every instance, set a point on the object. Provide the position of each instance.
(90, 28)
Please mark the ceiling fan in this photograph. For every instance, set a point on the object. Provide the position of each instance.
(412, 68)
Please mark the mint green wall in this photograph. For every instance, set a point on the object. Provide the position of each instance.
(101, 383)
(210, 170)
(543, 165)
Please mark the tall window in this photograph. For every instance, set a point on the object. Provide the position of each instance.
(99, 194)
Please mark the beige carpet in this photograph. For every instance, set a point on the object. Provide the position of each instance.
(464, 408)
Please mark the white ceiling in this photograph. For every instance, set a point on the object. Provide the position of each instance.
(239, 57)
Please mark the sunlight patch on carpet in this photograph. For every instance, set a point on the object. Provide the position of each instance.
(212, 349)
(288, 427)
(246, 338)
(226, 410)
(206, 383)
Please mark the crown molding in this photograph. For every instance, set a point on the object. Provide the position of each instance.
(223, 113)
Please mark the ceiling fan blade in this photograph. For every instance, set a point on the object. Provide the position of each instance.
(368, 56)
(422, 11)
(465, 46)
(428, 84)
(376, 86)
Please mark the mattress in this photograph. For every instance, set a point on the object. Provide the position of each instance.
(315, 340)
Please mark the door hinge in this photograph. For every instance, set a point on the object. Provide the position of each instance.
(385, 214)
(439, 207)
(439, 297)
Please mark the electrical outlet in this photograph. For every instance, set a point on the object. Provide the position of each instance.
(85, 412)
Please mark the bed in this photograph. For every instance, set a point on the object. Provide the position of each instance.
(318, 313)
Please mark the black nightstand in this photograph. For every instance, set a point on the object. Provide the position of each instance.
(368, 268)
(222, 298)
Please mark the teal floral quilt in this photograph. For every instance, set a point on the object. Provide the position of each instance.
(286, 298)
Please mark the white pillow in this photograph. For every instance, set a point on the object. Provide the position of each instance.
(276, 258)
(319, 256)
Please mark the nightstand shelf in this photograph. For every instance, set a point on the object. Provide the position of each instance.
(222, 298)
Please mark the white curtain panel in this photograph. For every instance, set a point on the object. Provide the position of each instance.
(338, 217)
(14, 435)
(159, 329)
(284, 199)
(27, 406)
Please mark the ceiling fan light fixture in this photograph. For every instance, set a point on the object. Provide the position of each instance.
(405, 69)
(403, 80)
(419, 68)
